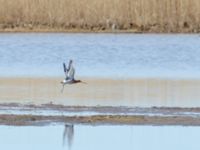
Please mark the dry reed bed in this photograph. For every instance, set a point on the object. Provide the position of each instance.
(135, 15)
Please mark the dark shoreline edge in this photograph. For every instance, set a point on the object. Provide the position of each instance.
(77, 30)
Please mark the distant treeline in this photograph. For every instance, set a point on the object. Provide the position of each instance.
(101, 15)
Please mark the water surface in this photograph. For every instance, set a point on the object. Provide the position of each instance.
(101, 55)
(100, 137)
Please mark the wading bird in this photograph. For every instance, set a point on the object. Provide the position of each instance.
(69, 75)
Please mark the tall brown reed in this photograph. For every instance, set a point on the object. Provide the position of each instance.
(145, 15)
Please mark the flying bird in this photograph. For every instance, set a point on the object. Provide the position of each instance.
(69, 75)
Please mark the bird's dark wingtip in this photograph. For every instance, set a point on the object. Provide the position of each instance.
(64, 66)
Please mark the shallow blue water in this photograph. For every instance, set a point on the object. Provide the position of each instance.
(101, 55)
(100, 137)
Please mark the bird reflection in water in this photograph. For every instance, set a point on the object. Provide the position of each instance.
(68, 134)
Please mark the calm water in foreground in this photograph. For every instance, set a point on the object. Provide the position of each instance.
(101, 55)
(81, 137)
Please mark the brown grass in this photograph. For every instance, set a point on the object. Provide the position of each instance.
(135, 15)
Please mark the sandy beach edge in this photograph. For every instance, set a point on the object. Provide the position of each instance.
(102, 92)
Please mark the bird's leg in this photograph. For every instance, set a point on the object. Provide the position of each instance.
(62, 88)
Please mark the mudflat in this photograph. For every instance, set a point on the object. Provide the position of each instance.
(45, 114)
(102, 92)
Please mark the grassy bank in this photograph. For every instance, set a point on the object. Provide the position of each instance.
(100, 15)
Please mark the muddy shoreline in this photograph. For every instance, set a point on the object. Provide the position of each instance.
(126, 28)
(31, 120)
(96, 115)
(39, 101)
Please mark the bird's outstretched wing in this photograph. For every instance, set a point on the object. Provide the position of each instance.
(71, 73)
(69, 65)
(65, 69)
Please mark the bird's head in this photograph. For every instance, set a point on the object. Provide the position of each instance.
(63, 82)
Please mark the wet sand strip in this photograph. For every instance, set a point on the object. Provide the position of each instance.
(115, 110)
(32, 120)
